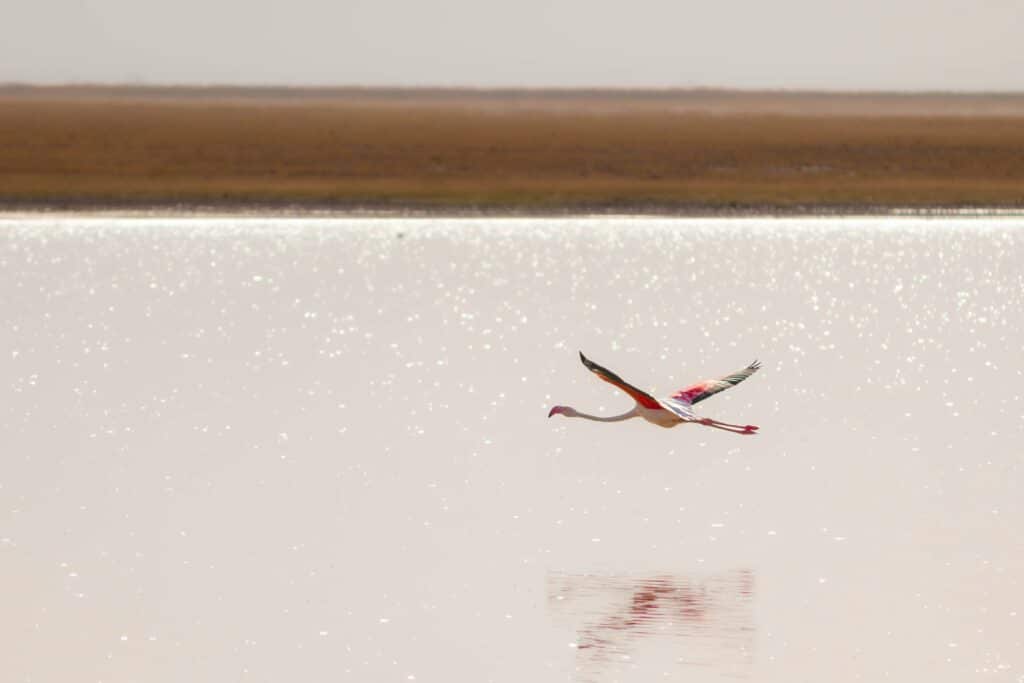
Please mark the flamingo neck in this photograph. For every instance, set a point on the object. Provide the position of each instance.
(613, 418)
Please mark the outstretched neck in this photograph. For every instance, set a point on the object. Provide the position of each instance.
(613, 418)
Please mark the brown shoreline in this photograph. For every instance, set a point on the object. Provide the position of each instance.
(401, 210)
(454, 152)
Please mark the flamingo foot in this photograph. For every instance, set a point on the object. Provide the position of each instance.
(750, 429)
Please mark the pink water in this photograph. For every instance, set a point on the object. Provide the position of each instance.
(317, 450)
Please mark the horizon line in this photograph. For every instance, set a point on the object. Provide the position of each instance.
(506, 89)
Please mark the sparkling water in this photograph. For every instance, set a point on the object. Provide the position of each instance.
(318, 450)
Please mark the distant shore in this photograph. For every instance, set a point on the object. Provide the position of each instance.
(399, 210)
(466, 152)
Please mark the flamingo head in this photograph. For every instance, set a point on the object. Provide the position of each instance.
(562, 410)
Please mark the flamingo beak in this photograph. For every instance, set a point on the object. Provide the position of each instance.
(555, 411)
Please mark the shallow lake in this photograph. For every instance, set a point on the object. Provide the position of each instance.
(318, 450)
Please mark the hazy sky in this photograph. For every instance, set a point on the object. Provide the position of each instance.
(870, 44)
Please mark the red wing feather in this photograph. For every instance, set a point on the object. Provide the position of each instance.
(709, 387)
(641, 397)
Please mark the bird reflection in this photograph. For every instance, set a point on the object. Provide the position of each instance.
(663, 622)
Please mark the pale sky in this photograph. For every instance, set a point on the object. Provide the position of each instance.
(866, 44)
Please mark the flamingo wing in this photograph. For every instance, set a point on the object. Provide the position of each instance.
(641, 397)
(709, 387)
(681, 409)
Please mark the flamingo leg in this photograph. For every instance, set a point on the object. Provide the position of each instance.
(728, 427)
(732, 430)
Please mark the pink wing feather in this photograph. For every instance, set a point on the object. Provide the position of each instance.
(709, 387)
(641, 397)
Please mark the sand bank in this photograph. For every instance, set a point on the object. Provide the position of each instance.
(507, 151)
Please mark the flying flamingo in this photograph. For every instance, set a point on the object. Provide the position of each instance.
(666, 412)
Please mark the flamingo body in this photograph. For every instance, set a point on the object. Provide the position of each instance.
(675, 410)
(660, 416)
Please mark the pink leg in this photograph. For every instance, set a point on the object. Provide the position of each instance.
(725, 426)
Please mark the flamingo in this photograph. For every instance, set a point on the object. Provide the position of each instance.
(666, 412)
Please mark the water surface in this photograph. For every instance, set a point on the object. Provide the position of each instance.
(317, 450)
